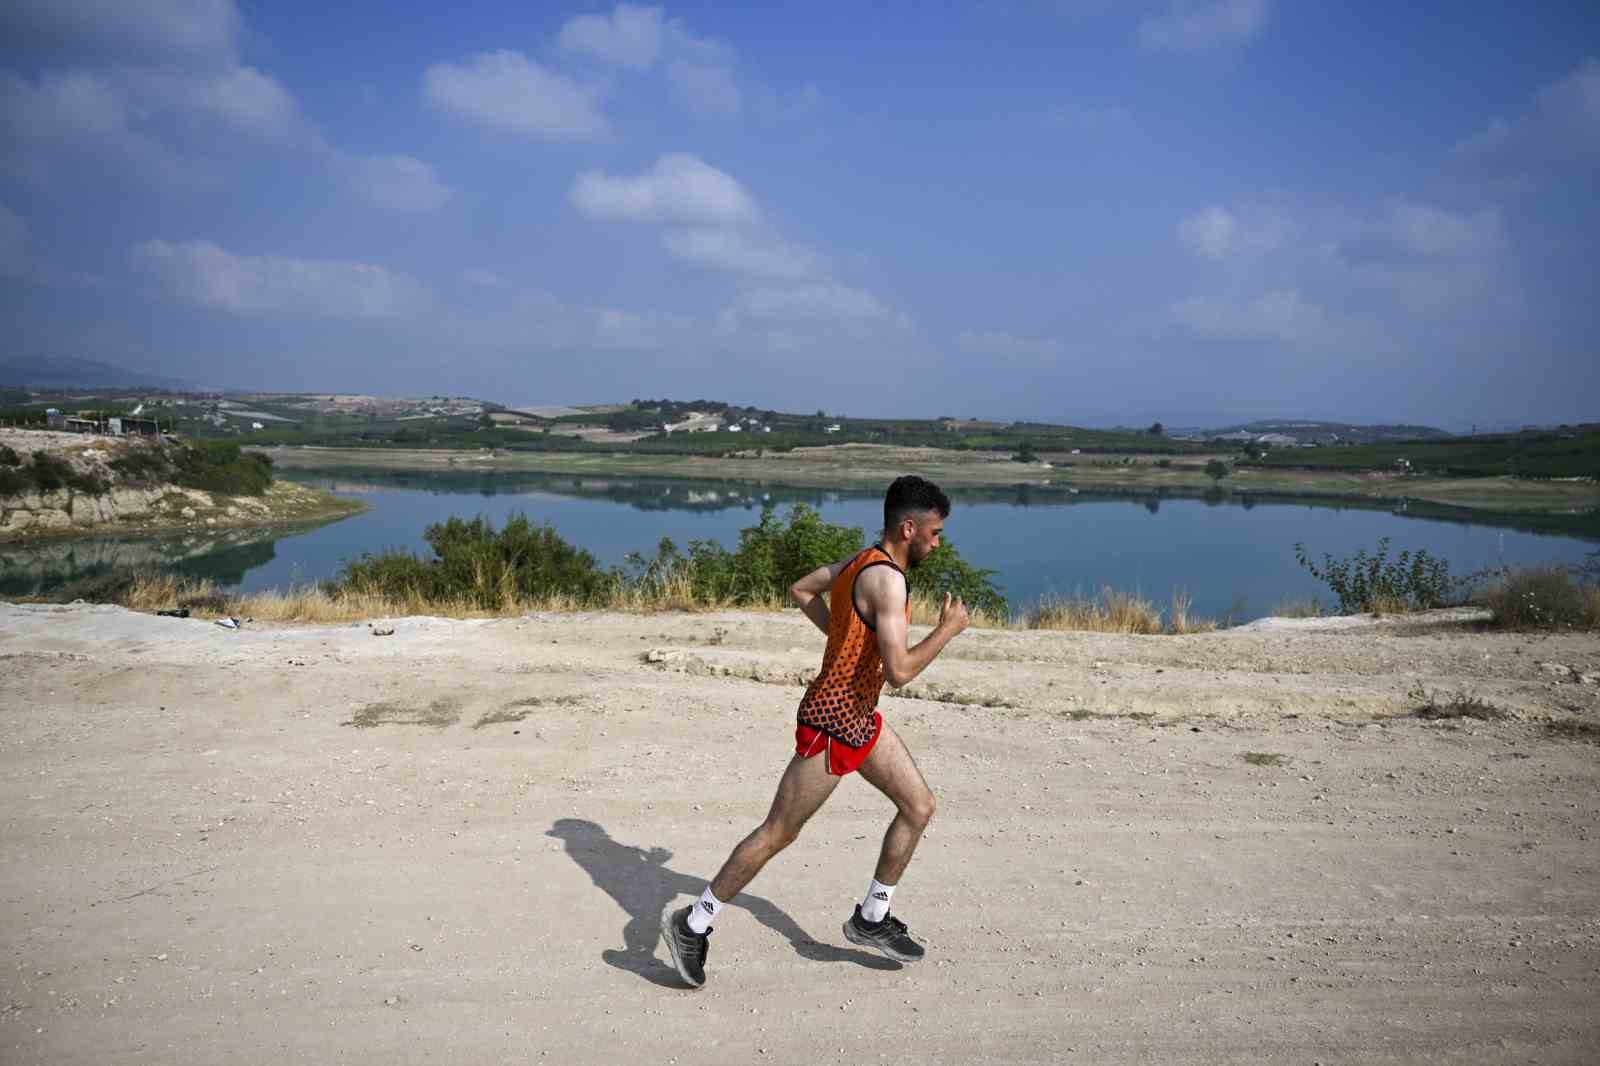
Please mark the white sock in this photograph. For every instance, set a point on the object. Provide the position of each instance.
(876, 905)
(704, 912)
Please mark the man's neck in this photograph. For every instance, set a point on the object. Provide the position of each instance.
(899, 551)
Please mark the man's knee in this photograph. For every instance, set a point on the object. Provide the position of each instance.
(919, 809)
(775, 836)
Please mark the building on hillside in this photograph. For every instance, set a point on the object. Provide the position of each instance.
(833, 428)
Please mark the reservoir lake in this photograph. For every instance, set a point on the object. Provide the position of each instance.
(1234, 557)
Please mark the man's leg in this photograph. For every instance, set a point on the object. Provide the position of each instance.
(805, 786)
(891, 769)
(893, 772)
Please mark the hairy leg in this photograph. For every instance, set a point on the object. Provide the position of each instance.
(892, 770)
(806, 784)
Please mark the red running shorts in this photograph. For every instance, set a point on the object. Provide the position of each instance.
(842, 758)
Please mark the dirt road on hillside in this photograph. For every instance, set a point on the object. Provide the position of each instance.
(452, 845)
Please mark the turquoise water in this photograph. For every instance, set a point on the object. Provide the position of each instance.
(1229, 557)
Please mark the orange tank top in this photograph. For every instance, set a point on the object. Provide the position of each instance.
(841, 700)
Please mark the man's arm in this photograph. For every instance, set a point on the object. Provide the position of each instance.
(811, 592)
(881, 592)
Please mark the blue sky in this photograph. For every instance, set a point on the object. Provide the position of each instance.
(1086, 211)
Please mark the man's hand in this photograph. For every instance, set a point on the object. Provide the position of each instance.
(953, 615)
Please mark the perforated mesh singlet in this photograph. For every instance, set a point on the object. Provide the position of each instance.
(841, 700)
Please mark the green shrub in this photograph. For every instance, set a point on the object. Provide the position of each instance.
(9, 456)
(142, 464)
(1542, 597)
(1216, 470)
(491, 568)
(14, 482)
(1413, 581)
(51, 473)
(220, 466)
(771, 556)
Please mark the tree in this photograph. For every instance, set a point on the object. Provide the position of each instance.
(1157, 430)
(1216, 470)
(1254, 449)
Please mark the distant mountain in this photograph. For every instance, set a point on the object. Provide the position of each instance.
(67, 372)
(1306, 430)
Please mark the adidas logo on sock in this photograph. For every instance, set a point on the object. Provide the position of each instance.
(880, 895)
(706, 905)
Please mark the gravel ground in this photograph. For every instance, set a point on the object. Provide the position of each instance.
(452, 844)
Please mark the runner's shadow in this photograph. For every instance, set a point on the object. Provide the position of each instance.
(643, 886)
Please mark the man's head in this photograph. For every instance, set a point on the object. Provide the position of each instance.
(914, 510)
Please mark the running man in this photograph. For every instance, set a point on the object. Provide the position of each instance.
(866, 615)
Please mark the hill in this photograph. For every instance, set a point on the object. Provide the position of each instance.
(1307, 431)
(67, 372)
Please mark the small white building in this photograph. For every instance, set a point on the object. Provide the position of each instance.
(833, 428)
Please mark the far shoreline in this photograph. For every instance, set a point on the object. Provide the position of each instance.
(1573, 507)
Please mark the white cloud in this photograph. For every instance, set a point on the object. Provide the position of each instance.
(1561, 132)
(1280, 315)
(76, 116)
(160, 26)
(398, 183)
(242, 98)
(825, 301)
(1576, 98)
(705, 91)
(1217, 233)
(699, 70)
(631, 36)
(1190, 28)
(1423, 230)
(679, 188)
(999, 343)
(506, 90)
(65, 107)
(203, 273)
(741, 252)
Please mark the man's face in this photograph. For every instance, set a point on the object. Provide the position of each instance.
(925, 538)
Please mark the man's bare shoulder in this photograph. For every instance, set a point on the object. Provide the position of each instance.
(885, 585)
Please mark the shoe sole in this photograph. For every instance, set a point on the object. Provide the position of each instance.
(672, 949)
(885, 950)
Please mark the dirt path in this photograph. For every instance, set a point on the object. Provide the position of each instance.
(452, 845)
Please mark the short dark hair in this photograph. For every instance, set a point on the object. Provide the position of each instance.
(912, 495)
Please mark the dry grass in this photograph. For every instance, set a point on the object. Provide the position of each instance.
(1111, 612)
(1114, 611)
(315, 605)
(1298, 609)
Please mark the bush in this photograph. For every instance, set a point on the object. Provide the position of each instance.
(9, 456)
(220, 466)
(1414, 582)
(1216, 470)
(771, 556)
(143, 464)
(51, 473)
(1544, 597)
(14, 482)
(490, 568)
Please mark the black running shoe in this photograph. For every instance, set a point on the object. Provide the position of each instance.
(689, 949)
(888, 936)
